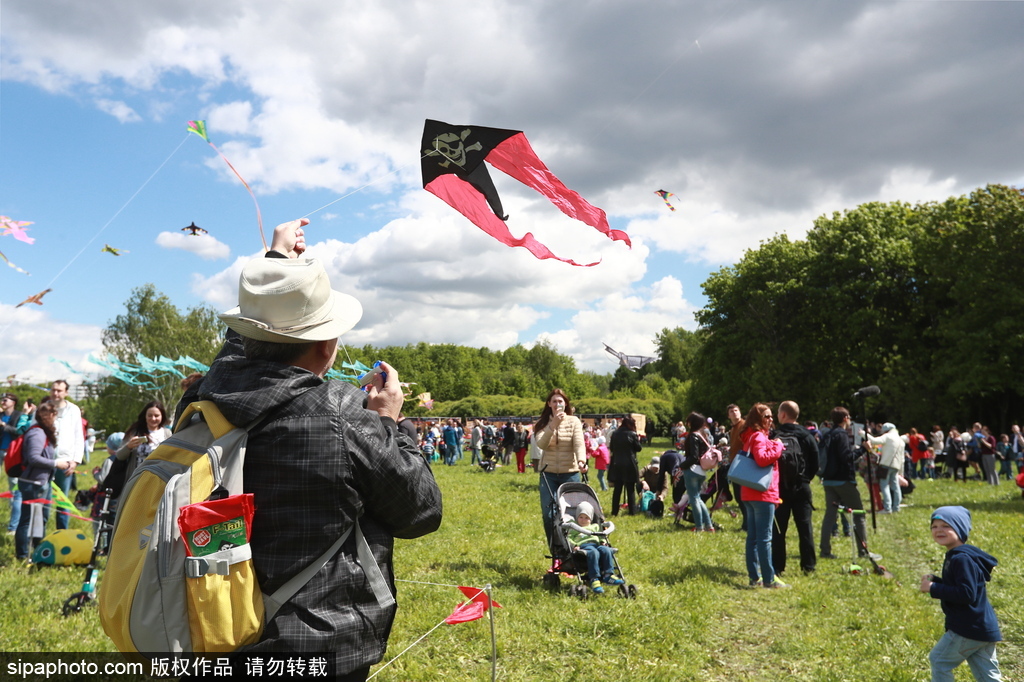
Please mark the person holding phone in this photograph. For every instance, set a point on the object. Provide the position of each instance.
(559, 435)
(142, 437)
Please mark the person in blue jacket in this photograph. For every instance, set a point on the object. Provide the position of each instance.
(971, 626)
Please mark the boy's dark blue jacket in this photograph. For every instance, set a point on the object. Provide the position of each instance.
(961, 588)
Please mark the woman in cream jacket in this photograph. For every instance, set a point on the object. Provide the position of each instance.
(560, 437)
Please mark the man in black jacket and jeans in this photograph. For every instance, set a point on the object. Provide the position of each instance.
(839, 478)
(795, 490)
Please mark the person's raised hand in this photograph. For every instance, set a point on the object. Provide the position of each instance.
(289, 238)
(386, 400)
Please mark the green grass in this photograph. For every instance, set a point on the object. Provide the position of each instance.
(695, 619)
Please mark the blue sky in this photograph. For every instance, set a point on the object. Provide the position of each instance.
(759, 117)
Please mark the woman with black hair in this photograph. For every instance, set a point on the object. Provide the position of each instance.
(694, 476)
(39, 459)
(623, 470)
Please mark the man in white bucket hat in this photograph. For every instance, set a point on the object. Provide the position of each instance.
(322, 456)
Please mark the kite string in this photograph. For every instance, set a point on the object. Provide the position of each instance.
(420, 582)
(112, 218)
(401, 653)
(360, 189)
(4, 329)
(427, 633)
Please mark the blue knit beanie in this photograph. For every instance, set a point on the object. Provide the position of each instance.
(958, 518)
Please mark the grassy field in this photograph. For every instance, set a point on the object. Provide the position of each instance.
(694, 619)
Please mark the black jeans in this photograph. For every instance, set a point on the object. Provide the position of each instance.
(630, 497)
(799, 508)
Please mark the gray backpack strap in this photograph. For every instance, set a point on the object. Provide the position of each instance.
(273, 602)
(372, 570)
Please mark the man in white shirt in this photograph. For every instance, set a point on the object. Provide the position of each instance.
(70, 439)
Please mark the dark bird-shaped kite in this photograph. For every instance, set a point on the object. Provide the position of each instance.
(194, 230)
(35, 298)
(633, 362)
(107, 248)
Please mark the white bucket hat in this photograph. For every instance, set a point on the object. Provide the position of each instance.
(290, 300)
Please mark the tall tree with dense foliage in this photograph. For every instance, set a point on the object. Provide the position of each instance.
(152, 326)
(923, 301)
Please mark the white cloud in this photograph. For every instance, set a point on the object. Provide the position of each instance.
(119, 110)
(707, 231)
(781, 116)
(626, 321)
(433, 276)
(31, 337)
(202, 245)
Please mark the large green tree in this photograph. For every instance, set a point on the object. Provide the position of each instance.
(924, 301)
(152, 326)
(973, 248)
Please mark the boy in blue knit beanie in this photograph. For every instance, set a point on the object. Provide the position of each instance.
(971, 626)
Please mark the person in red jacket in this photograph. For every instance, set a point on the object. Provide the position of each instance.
(761, 505)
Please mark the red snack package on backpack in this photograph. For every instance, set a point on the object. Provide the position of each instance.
(212, 526)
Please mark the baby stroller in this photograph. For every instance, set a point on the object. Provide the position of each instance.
(566, 561)
(488, 453)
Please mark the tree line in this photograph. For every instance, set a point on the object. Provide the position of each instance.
(924, 301)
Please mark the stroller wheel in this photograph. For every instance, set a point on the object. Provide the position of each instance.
(552, 581)
(74, 603)
(623, 592)
(632, 591)
(583, 593)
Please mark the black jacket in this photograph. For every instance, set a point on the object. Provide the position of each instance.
(10, 427)
(840, 463)
(622, 467)
(808, 456)
(316, 462)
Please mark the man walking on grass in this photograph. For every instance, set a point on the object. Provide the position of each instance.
(839, 478)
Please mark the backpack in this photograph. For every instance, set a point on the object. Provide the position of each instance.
(790, 470)
(711, 458)
(13, 463)
(157, 599)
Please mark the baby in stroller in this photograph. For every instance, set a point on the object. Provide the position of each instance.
(580, 546)
(588, 537)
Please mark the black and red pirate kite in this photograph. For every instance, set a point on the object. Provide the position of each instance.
(453, 170)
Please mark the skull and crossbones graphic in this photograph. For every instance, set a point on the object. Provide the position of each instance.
(453, 148)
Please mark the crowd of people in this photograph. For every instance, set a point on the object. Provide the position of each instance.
(839, 453)
(372, 464)
(54, 439)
